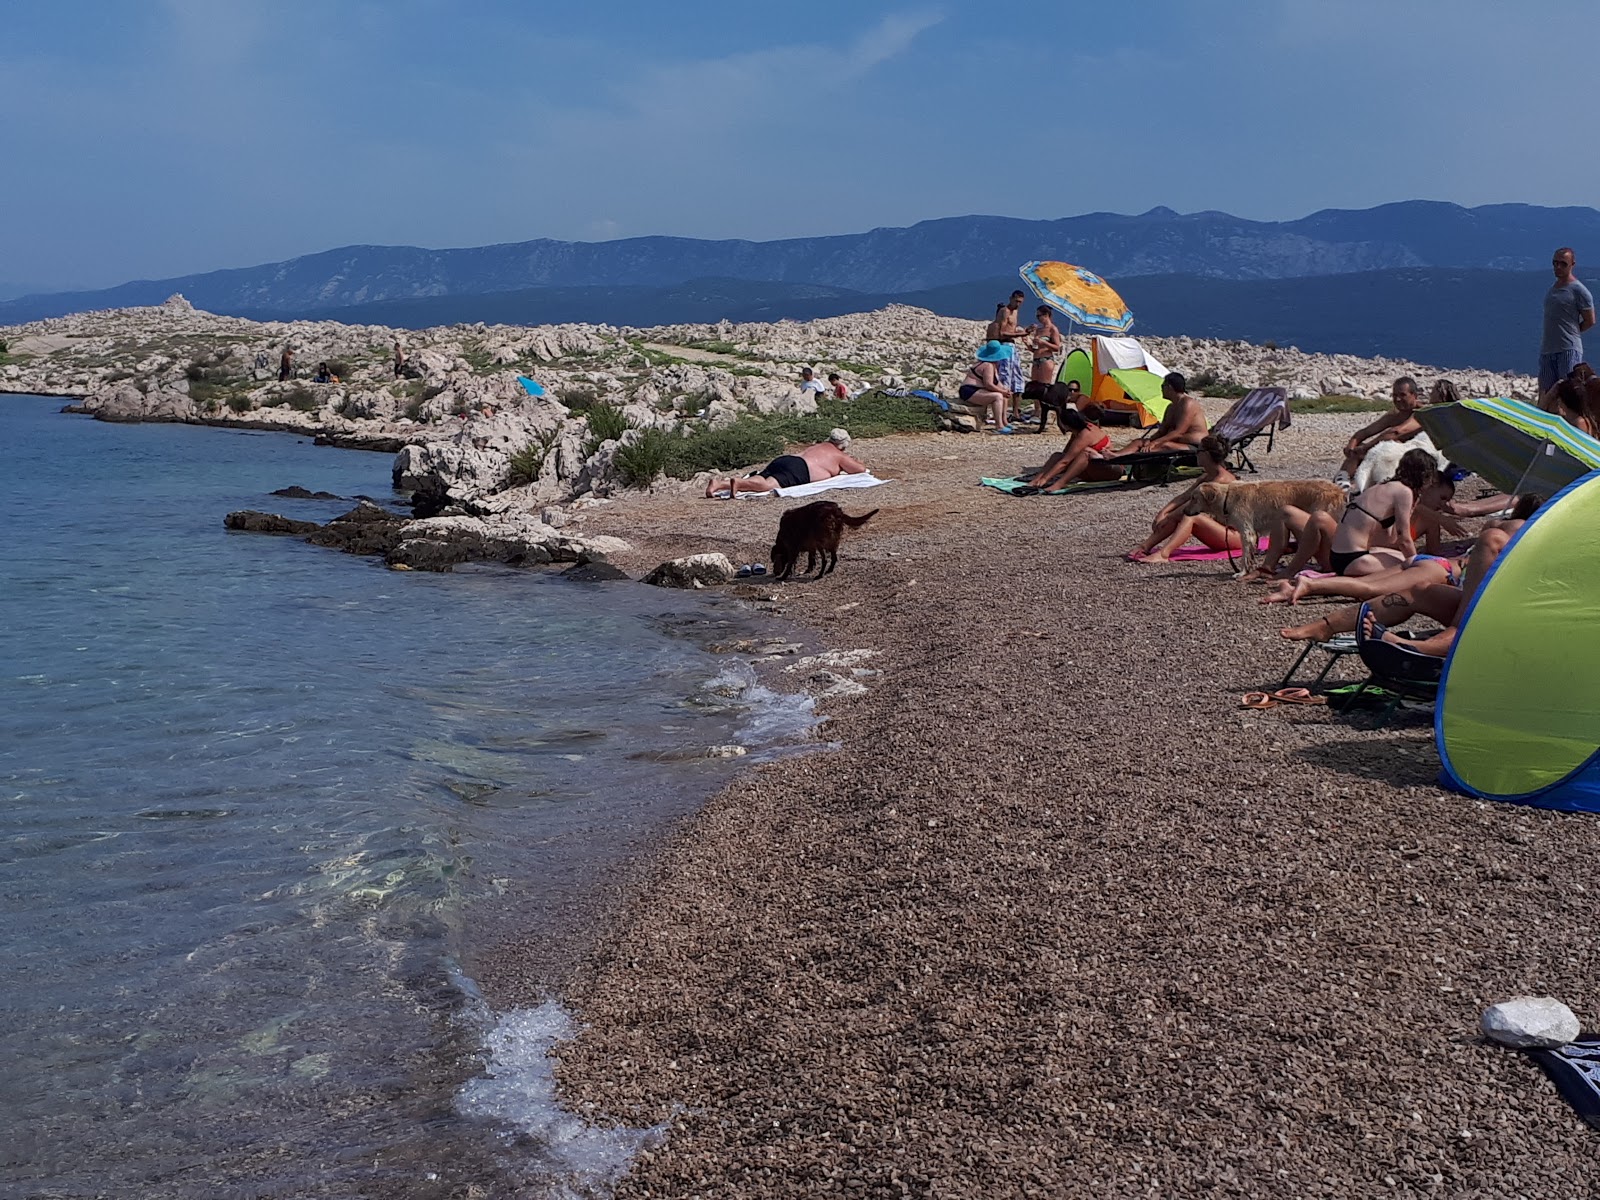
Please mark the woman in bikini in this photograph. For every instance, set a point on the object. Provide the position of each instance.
(1171, 528)
(1375, 531)
(1080, 458)
(982, 388)
(1044, 340)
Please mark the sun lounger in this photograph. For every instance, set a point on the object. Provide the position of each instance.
(1260, 412)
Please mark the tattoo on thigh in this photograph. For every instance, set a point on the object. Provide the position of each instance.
(1394, 600)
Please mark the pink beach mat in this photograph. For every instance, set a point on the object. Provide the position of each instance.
(1201, 554)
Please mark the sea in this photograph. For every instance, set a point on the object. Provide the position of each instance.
(266, 807)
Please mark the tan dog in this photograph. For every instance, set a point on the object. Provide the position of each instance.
(1257, 508)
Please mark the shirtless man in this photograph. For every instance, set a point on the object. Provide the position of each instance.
(1181, 428)
(1044, 339)
(814, 463)
(1004, 329)
(399, 358)
(1398, 425)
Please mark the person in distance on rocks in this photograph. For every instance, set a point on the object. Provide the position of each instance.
(837, 387)
(286, 364)
(809, 381)
(811, 465)
(1568, 315)
(399, 358)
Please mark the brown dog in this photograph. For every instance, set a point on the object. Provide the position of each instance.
(1257, 508)
(816, 529)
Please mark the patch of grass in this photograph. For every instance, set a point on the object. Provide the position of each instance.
(478, 358)
(1213, 384)
(1339, 404)
(859, 368)
(241, 403)
(656, 358)
(579, 399)
(299, 398)
(640, 464)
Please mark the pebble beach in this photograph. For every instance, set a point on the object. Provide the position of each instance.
(1055, 915)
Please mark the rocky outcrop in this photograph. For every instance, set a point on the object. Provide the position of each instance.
(695, 571)
(439, 543)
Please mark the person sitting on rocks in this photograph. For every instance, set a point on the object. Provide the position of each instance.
(809, 381)
(983, 388)
(1182, 425)
(1398, 425)
(811, 465)
(323, 375)
(837, 387)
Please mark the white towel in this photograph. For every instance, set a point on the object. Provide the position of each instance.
(861, 479)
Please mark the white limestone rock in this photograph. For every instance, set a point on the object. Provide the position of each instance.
(695, 571)
(1530, 1022)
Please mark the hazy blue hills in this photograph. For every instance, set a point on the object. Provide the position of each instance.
(1447, 316)
(927, 255)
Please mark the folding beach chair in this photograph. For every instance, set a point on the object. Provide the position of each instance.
(1260, 412)
(1403, 673)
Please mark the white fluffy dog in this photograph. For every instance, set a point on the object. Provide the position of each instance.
(1379, 464)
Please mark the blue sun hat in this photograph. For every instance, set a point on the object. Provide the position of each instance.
(994, 352)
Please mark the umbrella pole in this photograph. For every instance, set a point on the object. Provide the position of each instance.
(1528, 470)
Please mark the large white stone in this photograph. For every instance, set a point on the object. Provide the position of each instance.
(1530, 1022)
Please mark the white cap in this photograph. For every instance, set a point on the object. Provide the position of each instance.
(840, 438)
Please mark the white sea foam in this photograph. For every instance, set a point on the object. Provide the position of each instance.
(773, 721)
(518, 1090)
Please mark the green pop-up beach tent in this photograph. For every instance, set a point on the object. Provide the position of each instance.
(1518, 716)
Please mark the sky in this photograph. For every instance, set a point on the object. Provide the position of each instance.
(154, 138)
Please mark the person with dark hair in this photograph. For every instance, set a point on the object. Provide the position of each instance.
(809, 381)
(286, 363)
(1398, 425)
(1572, 405)
(1375, 530)
(837, 387)
(1082, 458)
(1172, 527)
(1044, 340)
(1182, 425)
(323, 375)
(1568, 315)
(1579, 376)
(1057, 398)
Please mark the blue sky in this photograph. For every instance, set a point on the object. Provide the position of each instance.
(156, 137)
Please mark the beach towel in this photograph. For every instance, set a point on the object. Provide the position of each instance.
(1010, 486)
(532, 386)
(1206, 554)
(861, 479)
(1575, 1070)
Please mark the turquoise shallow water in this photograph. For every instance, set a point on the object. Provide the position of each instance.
(251, 792)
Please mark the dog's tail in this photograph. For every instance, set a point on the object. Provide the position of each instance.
(858, 522)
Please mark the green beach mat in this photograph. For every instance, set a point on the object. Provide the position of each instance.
(1010, 486)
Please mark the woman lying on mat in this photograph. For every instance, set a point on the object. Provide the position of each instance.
(1081, 458)
(1171, 528)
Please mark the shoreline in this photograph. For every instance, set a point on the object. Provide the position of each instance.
(1119, 939)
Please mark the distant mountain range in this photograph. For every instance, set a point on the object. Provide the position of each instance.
(1387, 279)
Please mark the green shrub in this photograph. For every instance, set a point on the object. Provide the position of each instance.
(640, 464)
(606, 423)
(747, 440)
(1213, 384)
(875, 413)
(527, 462)
(579, 399)
(241, 403)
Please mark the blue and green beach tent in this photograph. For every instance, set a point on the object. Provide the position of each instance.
(1518, 716)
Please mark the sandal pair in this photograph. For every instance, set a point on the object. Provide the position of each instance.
(1295, 695)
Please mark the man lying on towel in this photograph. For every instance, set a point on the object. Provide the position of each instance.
(811, 465)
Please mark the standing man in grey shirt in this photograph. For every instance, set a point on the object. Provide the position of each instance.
(1568, 312)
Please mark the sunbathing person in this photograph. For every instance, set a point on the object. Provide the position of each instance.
(1172, 527)
(1182, 425)
(1398, 425)
(1375, 530)
(1083, 457)
(1441, 601)
(814, 463)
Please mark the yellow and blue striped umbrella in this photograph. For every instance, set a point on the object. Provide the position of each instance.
(1081, 295)
(1515, 446)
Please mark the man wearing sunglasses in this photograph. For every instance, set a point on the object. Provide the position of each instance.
(1568, 313)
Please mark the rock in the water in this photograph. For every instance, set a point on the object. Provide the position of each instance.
(594, 571)
(250, 521)
(1530, 1022)
(698, 570)
(296, 492)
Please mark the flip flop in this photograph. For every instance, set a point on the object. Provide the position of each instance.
(1257, 700)
(743, 573)
(1134, 556)
(1028, 490)
(758, 569)
(1298, 695)
(1005, 429)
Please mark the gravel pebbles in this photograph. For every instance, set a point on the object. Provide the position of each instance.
(1059, 917)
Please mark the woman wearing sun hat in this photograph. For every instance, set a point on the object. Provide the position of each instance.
(982, 387)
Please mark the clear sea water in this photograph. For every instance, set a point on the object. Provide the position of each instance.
(254, 795)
